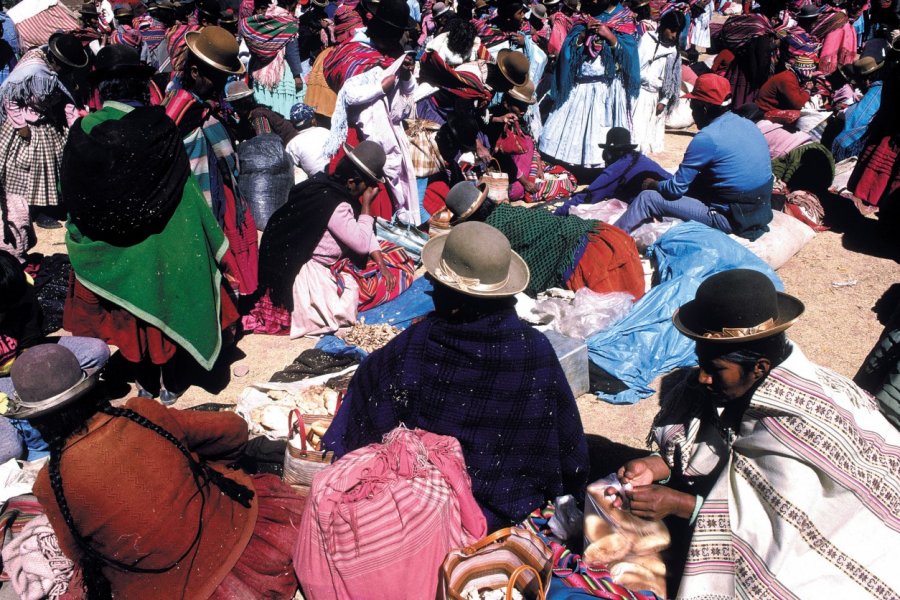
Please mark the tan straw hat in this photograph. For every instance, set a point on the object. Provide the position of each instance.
(476, 259)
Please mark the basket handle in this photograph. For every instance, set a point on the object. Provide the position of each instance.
(300, 426)
(497, 536)
(511, 585)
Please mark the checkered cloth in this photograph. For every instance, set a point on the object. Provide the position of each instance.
(30, 168)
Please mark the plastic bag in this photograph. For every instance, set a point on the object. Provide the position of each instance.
(567, 520)
(647, 234)
(629, 546)
(785, 238)
(267, 176)
(588, 313)
(608, 211)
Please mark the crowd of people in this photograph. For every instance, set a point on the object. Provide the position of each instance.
(485, 127)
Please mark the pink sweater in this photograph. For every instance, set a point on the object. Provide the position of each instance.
(780, 140)
(345, 234)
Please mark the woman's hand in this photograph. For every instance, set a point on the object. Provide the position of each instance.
(409, 66)
(388, 83)
(482, 151)
(298, 84)
(660, 107)
(529, 185)
(367, 198)
(389, 279)
(644, 471)
(507, 119)
(656, 502)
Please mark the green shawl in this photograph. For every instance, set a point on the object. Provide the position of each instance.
(171, 280)
(548, 243)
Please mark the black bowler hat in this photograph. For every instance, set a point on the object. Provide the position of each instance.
(119, 61)
(618, 138)
(393, 13)
(809, 11)
(66, 48)
(740, 305)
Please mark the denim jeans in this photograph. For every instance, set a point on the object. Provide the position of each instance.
(16, 435)
(650, 204)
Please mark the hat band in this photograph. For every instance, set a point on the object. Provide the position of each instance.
(738, 332)
(447, 275)
(15, 402)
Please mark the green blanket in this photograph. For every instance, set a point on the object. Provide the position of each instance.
(548, 243)
(171, 280)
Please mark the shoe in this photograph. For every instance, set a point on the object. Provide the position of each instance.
(142, 393)
(168, 398)
(45, 221)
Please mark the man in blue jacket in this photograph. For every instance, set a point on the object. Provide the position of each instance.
(726, 169)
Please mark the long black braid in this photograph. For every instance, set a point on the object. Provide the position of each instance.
(92, 561)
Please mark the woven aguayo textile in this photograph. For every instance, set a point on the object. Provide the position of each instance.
(546, 242)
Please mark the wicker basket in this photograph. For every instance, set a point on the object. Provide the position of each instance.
(301, 463)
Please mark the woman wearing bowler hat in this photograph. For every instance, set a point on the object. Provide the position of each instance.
(783, 475)
(474, 371)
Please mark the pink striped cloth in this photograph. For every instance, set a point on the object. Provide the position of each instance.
(379, 522)
(36, 29)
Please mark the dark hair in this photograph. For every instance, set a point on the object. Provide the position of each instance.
(674, 20)
(453, 305)
(13, 284)
(126, 88)
(461, 36)
(92, 561)
(775, 349)
(347, 169)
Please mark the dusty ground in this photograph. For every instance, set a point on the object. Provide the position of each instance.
(838, 329)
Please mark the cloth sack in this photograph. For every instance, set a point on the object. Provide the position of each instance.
(508, 557)
(379, 522)
(423, 150)
(512, 140)
(36, 566)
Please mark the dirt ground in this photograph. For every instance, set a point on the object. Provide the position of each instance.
(840, 275)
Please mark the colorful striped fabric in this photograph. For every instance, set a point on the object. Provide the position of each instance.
(570, 570)
(461, 83)
(267, 34)
(151, 30)
(349, 59)
(175, 44)
(372, 287)
(36, 22)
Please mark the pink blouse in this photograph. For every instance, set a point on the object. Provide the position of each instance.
(346, 235)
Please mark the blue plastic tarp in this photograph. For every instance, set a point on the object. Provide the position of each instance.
(645, 344)
(400, 312)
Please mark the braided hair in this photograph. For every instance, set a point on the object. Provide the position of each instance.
(92, 561)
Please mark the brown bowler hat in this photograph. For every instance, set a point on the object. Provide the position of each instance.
(217, 48)
(514, 66)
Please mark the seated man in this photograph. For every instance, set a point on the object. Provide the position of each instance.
(625, 171)
(474, 371)
(726, 168)
(560, 251)
(779, 465)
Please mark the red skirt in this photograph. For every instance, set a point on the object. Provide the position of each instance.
(610, 263)
(265, 569)
(89, 315)
(877, 174)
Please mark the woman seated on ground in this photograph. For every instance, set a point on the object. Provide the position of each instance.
(568, 252)
(133, 500)
(319, 260)
(771, 464)
(514, 148)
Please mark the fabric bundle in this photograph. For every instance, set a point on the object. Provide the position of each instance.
(152, 31)
(463, 84)
(346, 22)
(830, 20)
(349, 59)
(267, 34)
(379, 522)
(740, 30)
(798, 43)
(142, 161)
(36, 566)
(127, 36)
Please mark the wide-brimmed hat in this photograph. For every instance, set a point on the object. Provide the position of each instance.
(711, 89)
(393, 13)
(573, 4)
(237, 90)
(550, 2)
(66, 48)
(119, 61)
(464, 199)
(216, 47)
(809, 11)
(89, 9)
(513, 65)
(123, 11)
(866, 65)
(523, 93)
(477, 260)
(369, 158)
(639, 3)
(228, 16)
(539, 11)
(161, 6)
(46, 378)
(618, 138)
(740, 305)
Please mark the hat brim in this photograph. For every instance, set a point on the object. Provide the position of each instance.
(506, 52)
(618, 146)
(239, 96)
(520, 98)
(519, 274)
(685, 320)
(190, 38)
(482, 196)
(123, 71)
(87, 383)
(52, 44)
(348, 150)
